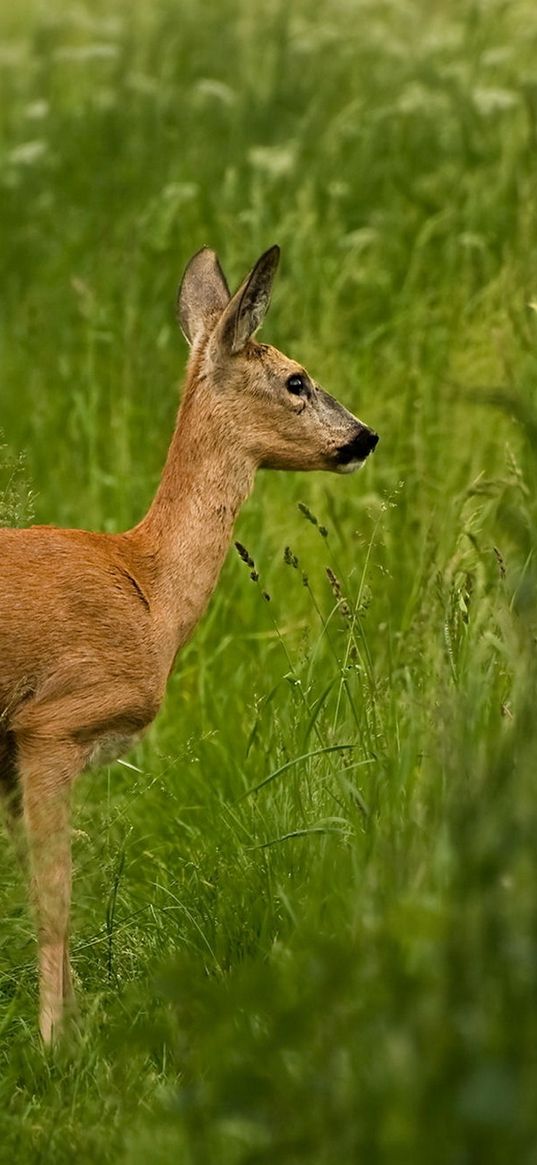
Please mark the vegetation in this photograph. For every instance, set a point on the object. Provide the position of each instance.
(305, 919)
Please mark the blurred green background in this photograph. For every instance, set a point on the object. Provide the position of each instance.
(341, 966)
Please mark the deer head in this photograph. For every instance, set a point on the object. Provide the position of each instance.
(261, 400)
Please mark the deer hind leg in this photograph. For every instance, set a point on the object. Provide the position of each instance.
(47, 769)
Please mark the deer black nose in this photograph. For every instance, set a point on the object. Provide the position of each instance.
(359, 447)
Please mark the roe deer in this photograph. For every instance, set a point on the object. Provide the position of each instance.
(90, 623)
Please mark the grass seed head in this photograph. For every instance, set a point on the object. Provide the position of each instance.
(289, 558)
(246, 557)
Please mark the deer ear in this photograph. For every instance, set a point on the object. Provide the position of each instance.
(202, 296)
(246, 311)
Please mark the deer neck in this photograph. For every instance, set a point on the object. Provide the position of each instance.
(187, 531)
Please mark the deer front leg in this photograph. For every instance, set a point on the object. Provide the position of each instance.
(46, 771)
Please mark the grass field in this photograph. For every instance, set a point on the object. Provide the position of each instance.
(341, 966)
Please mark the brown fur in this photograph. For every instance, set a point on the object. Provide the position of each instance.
(90, 623)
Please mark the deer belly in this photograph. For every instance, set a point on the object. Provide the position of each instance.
(108, 748)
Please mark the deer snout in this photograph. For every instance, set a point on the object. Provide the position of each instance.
(354, 452)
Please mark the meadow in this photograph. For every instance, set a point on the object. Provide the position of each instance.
(305, 911)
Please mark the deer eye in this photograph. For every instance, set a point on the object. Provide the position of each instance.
(296, 384)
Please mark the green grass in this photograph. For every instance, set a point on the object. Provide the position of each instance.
(342, 965)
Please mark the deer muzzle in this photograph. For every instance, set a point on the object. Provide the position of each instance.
(353, 453)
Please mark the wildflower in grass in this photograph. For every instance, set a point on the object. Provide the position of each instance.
(27, 153)
(37, 110)
(274, 161)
